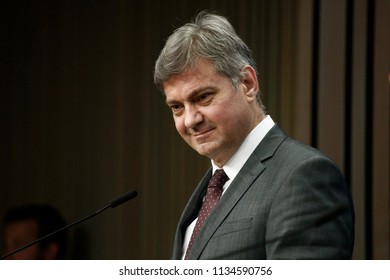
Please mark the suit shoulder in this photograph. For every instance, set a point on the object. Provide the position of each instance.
(299, 149)
(297, 153)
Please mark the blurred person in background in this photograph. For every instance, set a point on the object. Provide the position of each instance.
(27, 223)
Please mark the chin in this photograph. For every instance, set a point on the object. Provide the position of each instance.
(202, 152)
(205, 152)
(206, 149)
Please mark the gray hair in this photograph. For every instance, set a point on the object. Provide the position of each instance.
(210, 37)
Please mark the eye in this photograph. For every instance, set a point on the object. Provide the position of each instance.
(204, 98)
(176, 108)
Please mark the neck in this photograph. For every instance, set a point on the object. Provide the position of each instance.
(259, 117)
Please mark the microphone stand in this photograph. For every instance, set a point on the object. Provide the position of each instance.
(114, 203)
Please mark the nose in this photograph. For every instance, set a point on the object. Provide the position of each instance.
(192, 117)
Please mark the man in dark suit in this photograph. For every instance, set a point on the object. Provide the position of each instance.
(274, 190)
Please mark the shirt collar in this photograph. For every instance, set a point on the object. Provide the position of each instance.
(237, 161)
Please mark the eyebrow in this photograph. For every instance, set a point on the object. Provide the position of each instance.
(193, 93)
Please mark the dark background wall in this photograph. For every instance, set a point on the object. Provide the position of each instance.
(81, 121)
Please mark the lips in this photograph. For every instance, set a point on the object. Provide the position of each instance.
(200, 135)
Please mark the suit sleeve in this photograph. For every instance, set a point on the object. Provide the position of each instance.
(313, 187)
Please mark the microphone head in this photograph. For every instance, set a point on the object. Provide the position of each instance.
(123, 198)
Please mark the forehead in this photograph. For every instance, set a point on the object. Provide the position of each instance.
(22, 228)
(193, 79)
(201, 69)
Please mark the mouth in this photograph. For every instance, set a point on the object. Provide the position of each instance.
(203, 134)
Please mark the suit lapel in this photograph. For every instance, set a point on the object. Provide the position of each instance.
(189, 214)
(192, 208)
(244, 179)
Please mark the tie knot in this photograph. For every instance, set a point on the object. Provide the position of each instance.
(218, 179)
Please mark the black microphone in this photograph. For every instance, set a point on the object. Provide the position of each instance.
(122, 199)
(113, 203)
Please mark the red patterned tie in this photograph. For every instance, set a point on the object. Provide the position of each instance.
(214, 192)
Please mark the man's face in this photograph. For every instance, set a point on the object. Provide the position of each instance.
(211, 115)
(20, 233)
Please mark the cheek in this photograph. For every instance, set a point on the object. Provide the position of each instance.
(179, 124)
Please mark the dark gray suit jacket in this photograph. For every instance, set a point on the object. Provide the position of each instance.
(283, 187)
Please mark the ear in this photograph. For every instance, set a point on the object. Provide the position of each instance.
(249, 81)
(51, 251)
